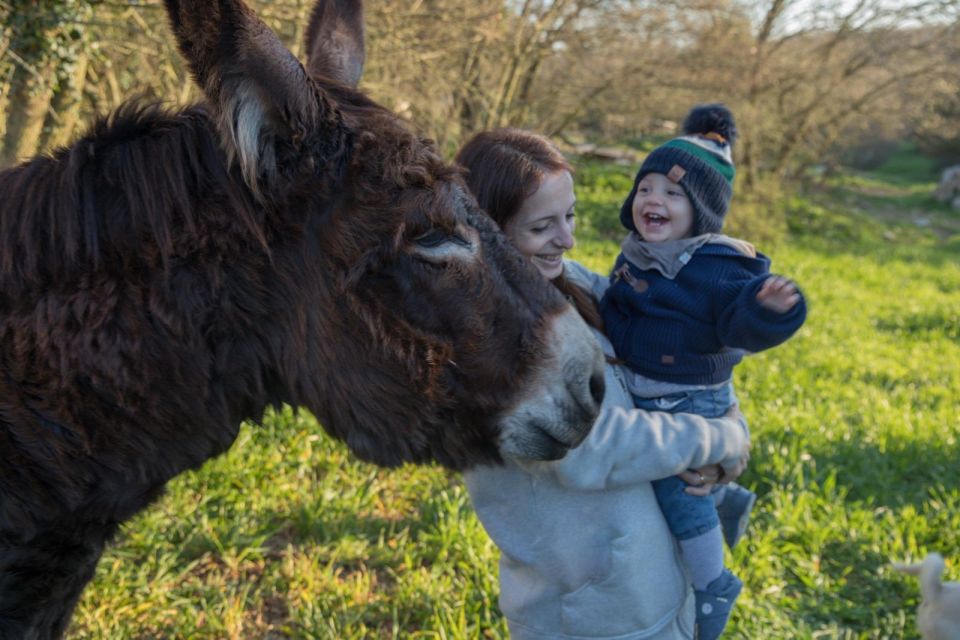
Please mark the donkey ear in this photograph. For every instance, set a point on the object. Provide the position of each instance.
(273, 119)
(335, 48)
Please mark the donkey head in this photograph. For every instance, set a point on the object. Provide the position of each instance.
(420, 333)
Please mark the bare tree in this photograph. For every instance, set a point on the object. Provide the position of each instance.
(806, 86)
(427, 56)
(934, 123)
(31, 31)
(800, 74)
(491, 63)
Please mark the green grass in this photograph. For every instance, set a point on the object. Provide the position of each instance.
(907, 167)
(899, 193)
(856, 424)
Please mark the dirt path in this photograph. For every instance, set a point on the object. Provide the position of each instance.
(893, 204)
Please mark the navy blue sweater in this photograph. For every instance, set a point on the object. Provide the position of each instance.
(695, 328)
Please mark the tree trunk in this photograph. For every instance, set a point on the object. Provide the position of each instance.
(67, 100)
(6, 78)
(27, 108)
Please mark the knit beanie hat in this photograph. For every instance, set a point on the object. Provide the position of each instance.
(701, 162)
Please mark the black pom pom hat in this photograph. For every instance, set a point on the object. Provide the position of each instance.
(701, 162)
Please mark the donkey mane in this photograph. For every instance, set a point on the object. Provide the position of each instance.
(416, 162)
(127, 192)
(387, 158)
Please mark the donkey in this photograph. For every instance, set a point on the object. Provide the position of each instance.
(173, 273)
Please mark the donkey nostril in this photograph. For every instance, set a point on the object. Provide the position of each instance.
(597, 387)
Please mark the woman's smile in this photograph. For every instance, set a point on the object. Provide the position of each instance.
(551, 258)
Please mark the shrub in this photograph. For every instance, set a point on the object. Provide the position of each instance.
(758, 215)
(870, 154)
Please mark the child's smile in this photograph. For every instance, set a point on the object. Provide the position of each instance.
(654, 219)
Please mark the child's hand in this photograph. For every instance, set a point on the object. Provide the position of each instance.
(778, 294)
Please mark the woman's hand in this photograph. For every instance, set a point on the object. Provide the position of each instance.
(702, 480)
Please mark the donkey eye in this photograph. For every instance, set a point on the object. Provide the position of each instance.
(439, 246)
(432, 238)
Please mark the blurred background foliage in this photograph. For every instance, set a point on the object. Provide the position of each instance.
(813, 82)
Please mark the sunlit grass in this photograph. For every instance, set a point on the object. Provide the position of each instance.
(855, 421)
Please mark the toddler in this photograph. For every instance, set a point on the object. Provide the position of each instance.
(685, 304)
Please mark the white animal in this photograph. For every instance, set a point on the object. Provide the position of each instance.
(938, 617)
(949, 188)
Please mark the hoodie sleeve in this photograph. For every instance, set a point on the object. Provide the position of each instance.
(629, 446)
(586, 279)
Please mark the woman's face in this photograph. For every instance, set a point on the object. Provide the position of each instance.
(543, 227)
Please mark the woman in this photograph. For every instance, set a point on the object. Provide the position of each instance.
(585, 551)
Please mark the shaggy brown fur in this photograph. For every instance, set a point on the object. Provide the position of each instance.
(172, 274)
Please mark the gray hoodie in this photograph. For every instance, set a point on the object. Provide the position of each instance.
(585, 552)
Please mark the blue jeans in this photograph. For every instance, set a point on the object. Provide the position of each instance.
(688, 516)
(709, 403)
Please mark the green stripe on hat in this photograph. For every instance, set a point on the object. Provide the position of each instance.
(716, 161)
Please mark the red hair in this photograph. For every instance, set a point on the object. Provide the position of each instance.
(505, 167)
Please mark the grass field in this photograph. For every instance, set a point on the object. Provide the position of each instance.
(856, 460)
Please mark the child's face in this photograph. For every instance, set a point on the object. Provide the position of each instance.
(661, 209)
